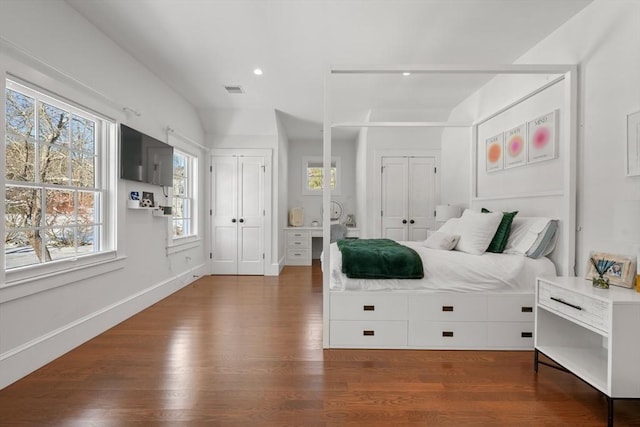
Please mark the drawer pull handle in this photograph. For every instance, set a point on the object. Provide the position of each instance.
(447, 333)
(369, 307)
(527, 309)
(368, 333)
(526, 334)
(447, 308)
(561, 301)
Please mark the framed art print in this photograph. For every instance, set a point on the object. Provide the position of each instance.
(541, 138)
(494, 152)
(515, 146)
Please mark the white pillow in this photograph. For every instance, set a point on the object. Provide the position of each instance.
(440, 240)
(450, 226)
(527, 233)
(476, 230)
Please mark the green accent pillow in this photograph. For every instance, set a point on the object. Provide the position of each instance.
(499, 241)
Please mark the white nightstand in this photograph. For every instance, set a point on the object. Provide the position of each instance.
(591, 333)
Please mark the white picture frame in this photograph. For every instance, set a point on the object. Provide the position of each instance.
(542, 135)
(633, 144)
(515, 146)
(494, 152)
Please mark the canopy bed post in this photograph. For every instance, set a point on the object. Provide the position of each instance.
(326, 201)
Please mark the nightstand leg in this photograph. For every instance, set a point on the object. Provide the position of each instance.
(535, 360)
(610, 411)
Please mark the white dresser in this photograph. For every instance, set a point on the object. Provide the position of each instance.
(297, 243)
(590, 332)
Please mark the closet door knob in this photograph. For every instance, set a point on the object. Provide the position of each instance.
(404, 221)
(241, 220)
(233, 220)
(412, 222)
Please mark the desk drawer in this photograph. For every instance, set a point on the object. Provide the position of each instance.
(297, 243)
(586, 309)
(298, 257)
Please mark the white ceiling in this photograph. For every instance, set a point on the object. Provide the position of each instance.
(199, 46)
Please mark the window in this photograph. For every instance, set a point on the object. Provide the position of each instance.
(55, 186)
(184, 189)
(313, 173)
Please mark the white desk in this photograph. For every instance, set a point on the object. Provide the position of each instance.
(298, 243)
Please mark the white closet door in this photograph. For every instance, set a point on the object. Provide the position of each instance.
(224, 215)
(237, 215)
(408, 197)
(421, 197)
(394, 198)
(250, 215)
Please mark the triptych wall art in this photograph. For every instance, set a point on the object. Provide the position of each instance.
(530, 142)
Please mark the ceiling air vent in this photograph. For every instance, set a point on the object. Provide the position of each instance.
(234, 89)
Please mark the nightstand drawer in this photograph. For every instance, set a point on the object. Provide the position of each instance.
(591, 311)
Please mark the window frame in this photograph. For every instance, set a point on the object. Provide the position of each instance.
(306, 160)
(177, 243)
(105, 185)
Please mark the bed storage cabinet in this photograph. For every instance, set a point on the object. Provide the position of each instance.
(436, 320)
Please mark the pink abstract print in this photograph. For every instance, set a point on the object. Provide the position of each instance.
(542, 138)
(515, 146)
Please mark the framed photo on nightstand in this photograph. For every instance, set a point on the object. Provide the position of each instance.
(621, 271)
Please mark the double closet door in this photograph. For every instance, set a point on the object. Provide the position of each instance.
(237, 214)
(408, 197)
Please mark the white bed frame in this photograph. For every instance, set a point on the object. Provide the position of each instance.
(454, 320)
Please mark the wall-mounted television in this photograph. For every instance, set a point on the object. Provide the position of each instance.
(145, 159)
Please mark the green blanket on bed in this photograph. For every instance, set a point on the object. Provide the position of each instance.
(379, 259)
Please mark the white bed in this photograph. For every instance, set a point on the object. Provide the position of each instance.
(452, 271)
(464, 301)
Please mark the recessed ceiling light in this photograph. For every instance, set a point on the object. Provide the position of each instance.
(257, 72)
(406, 73)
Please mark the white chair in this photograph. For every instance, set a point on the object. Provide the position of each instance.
(338, 232)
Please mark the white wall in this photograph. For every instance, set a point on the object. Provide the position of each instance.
(603, 39)
(69, 56)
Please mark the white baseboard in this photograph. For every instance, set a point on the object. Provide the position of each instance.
(21, 361)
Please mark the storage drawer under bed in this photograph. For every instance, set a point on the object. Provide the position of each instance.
(368, 334)
(369, 306)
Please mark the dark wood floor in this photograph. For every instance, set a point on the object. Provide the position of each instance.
(247, 351)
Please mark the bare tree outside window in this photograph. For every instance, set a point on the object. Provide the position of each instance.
(52, 197)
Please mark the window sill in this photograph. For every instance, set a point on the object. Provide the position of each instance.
(19, 286)
(183, 244)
